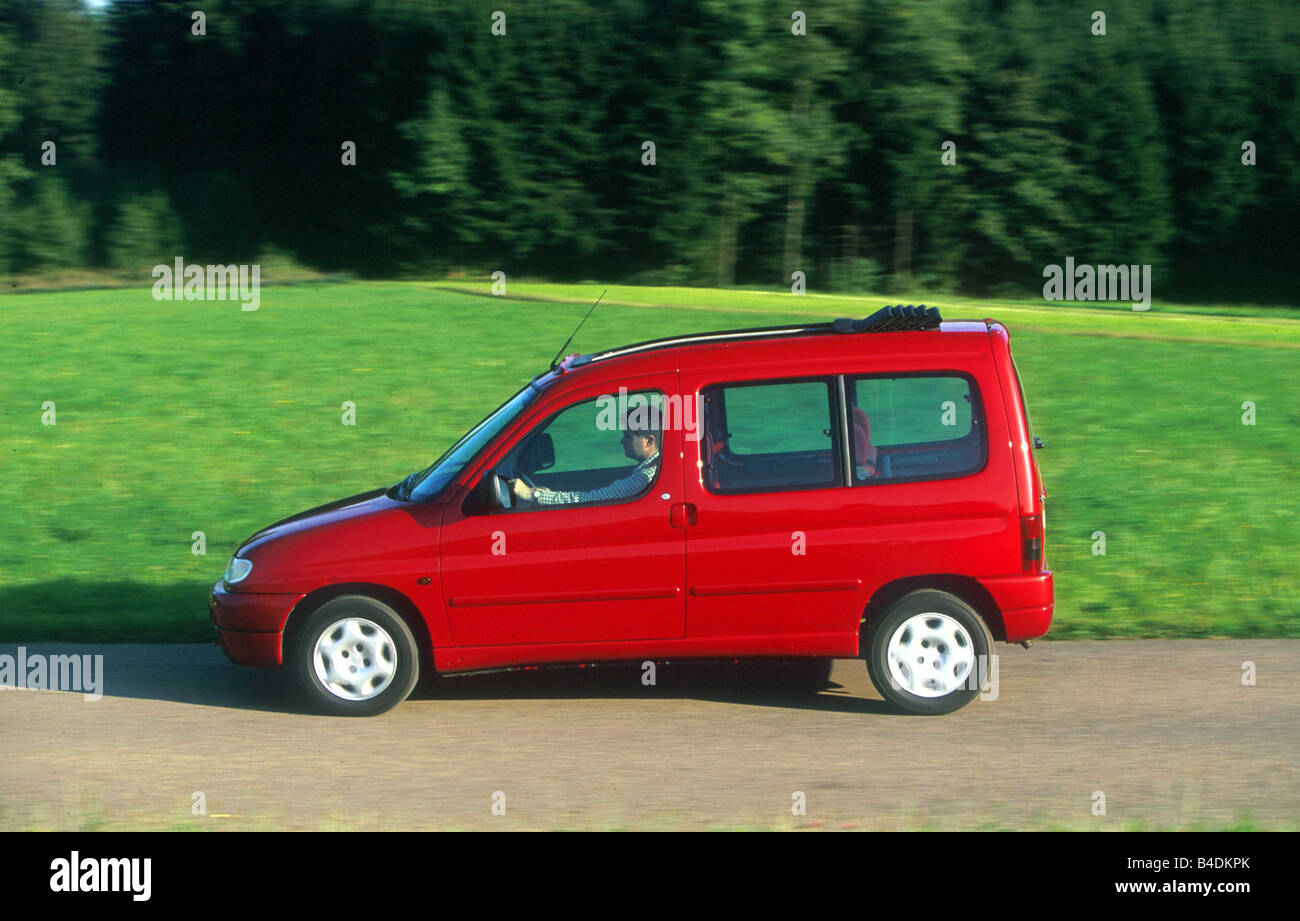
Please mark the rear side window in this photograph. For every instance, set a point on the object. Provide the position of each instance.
(771, 436)
(914, 427)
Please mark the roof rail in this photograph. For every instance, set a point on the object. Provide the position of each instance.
(892, 319)
(886, 319)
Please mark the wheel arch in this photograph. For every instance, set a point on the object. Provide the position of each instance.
(404, 606)
(967, 588)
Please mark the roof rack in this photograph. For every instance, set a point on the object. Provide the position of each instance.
(887, 319)
(892, 319)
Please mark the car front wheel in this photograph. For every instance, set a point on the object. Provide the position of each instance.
(356, 657)
(929, 653)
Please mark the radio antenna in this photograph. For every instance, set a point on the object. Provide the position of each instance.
(556, 360)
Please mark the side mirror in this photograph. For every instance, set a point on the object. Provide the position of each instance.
(491, 493)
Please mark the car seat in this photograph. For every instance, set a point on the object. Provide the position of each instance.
(865, 456)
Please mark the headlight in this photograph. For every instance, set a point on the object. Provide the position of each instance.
(237, 570)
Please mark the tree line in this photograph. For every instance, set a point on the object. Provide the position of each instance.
(870, 144)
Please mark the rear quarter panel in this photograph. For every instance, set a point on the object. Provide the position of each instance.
(876, 533)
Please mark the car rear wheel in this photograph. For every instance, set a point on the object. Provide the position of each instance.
(356, 657)
(929, 652)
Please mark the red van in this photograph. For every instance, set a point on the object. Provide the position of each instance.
(862, 488)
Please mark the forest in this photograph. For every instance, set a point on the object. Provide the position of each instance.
(874, 145)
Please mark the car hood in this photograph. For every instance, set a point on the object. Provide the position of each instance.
(340, 510)
(366, 537)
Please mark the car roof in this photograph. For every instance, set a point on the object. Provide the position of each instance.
(893, 320)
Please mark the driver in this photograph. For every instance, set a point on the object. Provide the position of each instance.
(641, 445)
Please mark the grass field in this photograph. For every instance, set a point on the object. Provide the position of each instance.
(177, 417)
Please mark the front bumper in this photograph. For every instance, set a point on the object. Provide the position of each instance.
(250, 627)
(1026, 603)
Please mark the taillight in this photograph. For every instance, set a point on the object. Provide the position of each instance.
(1032, 528)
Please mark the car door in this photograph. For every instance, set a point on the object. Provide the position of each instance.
(607, 569)
(772, 559)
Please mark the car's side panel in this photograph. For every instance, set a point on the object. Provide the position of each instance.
(568, 575)
(771, 566)
(469, 658)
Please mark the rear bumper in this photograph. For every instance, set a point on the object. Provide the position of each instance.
(250, 626)
(1026, 602)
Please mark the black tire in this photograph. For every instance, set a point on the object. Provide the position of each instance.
(392, 643)
(939, 656)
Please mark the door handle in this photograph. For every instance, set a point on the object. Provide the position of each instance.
(682, 515)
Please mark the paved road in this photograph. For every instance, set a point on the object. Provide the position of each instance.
(1165, 729)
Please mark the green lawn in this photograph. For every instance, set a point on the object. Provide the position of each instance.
(177, 417)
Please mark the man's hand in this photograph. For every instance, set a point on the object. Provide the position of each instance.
(521, 489)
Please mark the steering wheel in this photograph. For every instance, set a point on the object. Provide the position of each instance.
(527, 480)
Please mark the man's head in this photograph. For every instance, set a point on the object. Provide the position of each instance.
(640, 444)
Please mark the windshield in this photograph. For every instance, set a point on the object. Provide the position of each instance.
(427, 483)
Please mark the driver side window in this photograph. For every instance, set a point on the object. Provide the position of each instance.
(600, 450)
